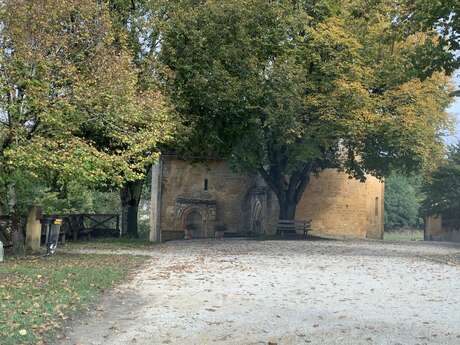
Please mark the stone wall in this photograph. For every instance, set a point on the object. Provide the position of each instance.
(200, 196)
(184, 194)
(342, 207)
(442, 229)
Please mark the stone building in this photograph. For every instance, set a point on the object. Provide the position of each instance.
(442, 228)
(201, 196)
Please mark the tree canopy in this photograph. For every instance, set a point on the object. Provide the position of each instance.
(76, 103)
(289, 88)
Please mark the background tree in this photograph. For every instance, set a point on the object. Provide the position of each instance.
(72, 110)
(42, 46)
(403, 200)
(127, 124)
(442, 188)
(139, 108)
(289, 88)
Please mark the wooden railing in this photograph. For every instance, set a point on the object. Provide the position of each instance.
(88, 224)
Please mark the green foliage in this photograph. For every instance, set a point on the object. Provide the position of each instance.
(79, 101)
(41, 68)
(291, 88)
(402, 202)
(444, 17)
(74, 99)
(442, 188)
(73, 197)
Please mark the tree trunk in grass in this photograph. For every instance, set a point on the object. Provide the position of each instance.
(16, 231)
(130, 196)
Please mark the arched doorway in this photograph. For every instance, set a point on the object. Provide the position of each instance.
(193, 221)
(256, 217)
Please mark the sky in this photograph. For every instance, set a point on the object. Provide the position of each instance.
(455, 111)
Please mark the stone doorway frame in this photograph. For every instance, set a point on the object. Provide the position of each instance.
(205, 207)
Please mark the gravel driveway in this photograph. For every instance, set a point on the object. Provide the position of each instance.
(283, 292)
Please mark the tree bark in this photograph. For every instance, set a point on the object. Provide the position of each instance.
(288, 188)
(130, 196)
(17, 235)
(132, 225)
(287, 210)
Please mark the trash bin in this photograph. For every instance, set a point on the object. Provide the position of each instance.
(52, 228)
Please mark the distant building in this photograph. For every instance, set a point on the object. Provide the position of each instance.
(201, 196)
(442, 228)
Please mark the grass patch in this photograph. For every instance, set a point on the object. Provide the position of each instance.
(403, 235)
(111, 243)
(37, 294)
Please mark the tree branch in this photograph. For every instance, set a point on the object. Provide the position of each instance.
(269, 180)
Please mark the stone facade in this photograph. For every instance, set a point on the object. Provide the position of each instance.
(201, 197)
(442, 228)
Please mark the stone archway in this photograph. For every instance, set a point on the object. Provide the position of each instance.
(193, 221)
(199, 214)
(256, 217)
(255, 209)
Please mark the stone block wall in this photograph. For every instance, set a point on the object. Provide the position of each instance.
(342, 207)
(189, 187)
(439, 228)
(211, 193)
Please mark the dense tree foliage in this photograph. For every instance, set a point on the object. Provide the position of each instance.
(72, 108)
(140, 107)
(442, 189)
(444, 17)
(289, 88)
(402, 202)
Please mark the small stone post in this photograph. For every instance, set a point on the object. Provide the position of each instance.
(1, 251)
(33, 230)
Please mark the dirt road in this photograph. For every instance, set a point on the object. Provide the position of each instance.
(283, 292)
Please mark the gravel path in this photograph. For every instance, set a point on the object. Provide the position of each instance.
(283, 292)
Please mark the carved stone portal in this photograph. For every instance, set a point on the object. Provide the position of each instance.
(257, 206)
(198, 216)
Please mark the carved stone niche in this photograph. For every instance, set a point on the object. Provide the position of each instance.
(196, 215)
(256, 210)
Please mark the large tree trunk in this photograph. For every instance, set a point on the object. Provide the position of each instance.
(16, 230)
(288, 188)
(287, 210)
(130, 196)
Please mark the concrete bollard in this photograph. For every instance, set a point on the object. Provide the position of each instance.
(1, 251)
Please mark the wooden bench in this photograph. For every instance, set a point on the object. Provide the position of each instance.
(294, 227)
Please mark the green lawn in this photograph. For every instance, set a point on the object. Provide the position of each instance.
(403, 235)
(110, 243)
(37, 294)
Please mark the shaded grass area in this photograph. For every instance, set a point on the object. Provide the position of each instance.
(403, 235)
(110, 243)
(37, 294)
